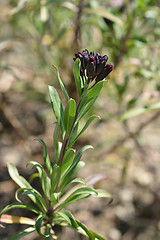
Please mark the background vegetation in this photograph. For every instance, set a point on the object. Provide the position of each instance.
(36, 34)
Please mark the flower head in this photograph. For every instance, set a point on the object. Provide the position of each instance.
(94, 65)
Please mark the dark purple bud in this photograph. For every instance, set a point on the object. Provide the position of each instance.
(94, 65)
(91, 68)
(107, 69)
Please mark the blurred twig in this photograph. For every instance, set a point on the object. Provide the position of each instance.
(11, 118)
(77, 35)
(133, 135)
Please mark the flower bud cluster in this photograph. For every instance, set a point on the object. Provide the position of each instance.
(93, 65)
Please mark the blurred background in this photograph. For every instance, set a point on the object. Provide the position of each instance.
(34, 34)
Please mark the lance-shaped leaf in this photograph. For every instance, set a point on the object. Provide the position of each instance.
(76, 73)
(97, 236)
(85, 127)
(89, 99)
(70, 173)
(55, 141)
(68, 217)
(57, 107)
(55, 198)
(61, 84)
(20, 205)
(22, 182)
(84, 230)
(20, 235)
(55, 176)
(67, 180)
(29, 192)
(47, 234)
(77, 195)
(73, 135)
(47, 161)
(67, 160)
(45, 181)
(39, 225)
(69, 115)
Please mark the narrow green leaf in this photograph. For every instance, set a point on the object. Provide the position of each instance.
(95, 91)
(64, 217)
(77, 195)
(73, 220)
(90, 99)
(68, 217)
(57, 107)
(97, 236)
(45, 180)
(55, 141)
(13, 172)
(70, 173)
(19, 205)
(55, 198)
(67, 160)
(22, 182)
(55, 176)
(103, 193)
(76, 73)
(26, 232)
(86, 126)
(69, 115)
(47, 234)
(27, 191)
(67, 180)
(39, 225)
(61, 84)
(86, 108)
(78, 180)
(47, 161)
(73, 135)
(33, 176)
(59, 148)
(87, 232)
(78, 156)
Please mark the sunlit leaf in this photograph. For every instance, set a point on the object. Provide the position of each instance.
(19, 205)
(68, 217)
(39, 225)
(22, 182)
(76, 73)
(89, 99)
(55, 176)
(77, 195)
(44, 179)
(86, 126)
(67, 160)
(67, 180)
(61, 84)
(57, 106)
(69, 115)
(84, 230)
(55, 141)
(26, 232)
(45, 155)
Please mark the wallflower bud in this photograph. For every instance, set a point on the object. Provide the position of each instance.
(94, 65)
